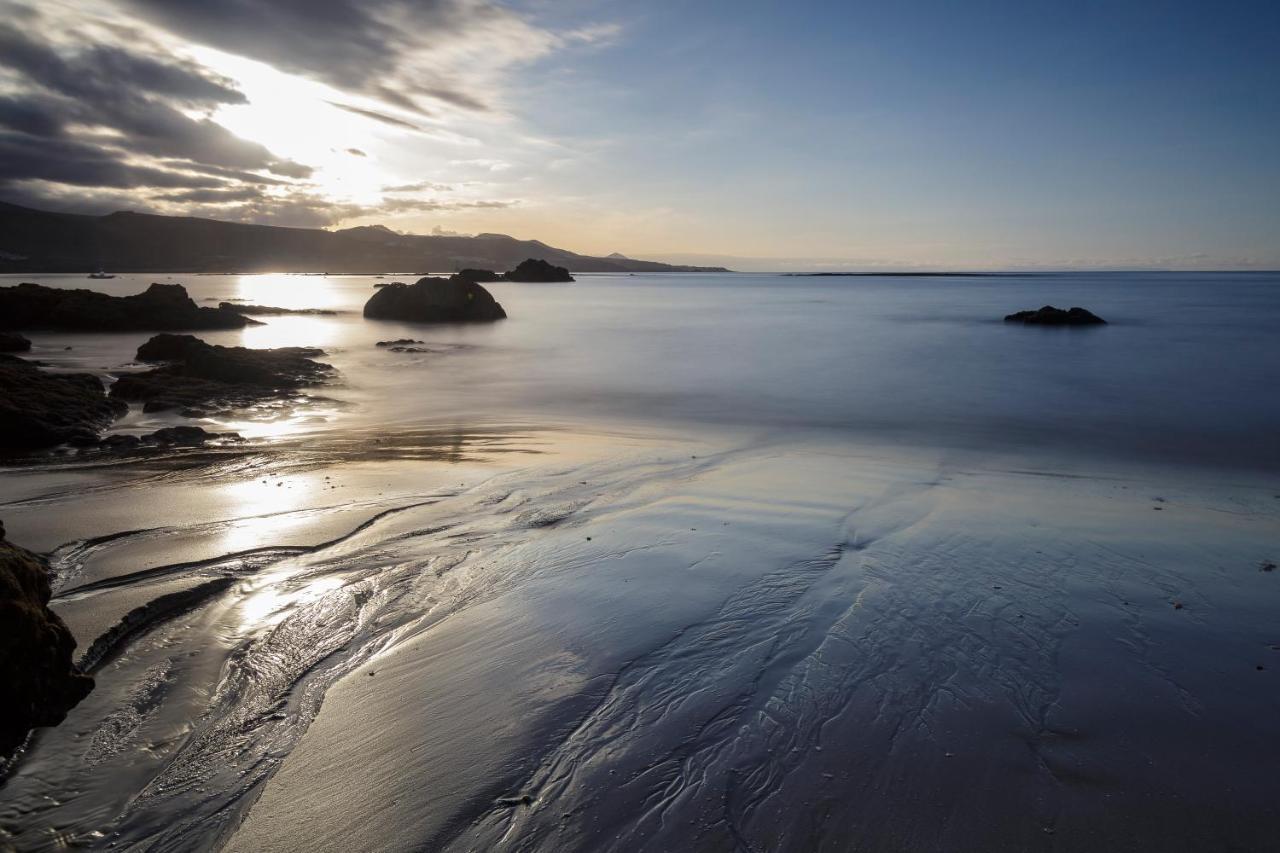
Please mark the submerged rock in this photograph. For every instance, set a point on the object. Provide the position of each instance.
(398, 342)
(160, 307)
(535, 269)
(1050, 316)
(13, 342)
(196, 375)
(42, 409)
(434, 300)
(40, 681)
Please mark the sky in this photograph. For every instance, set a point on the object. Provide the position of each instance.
(760, 135)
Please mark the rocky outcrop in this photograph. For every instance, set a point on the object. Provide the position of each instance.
(537, 270)
(1050, 316)
(162, 307)
(13, 342)
(42, 409)
(39, 681)
(434, 300)
(196, 377)
(478, 276)
(174, 436)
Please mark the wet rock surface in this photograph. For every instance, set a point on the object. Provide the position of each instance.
(161, 307)
(175, 436)
(1051, 316)
(40, 682)
(195, 376)
(42, 409)
(537, 270)
(434, 300)
(13, 342)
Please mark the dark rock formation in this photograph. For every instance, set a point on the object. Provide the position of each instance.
(398, 342)
(269, 311)
(160, 307)
(478, 276)
(41, 409)
(13, 342)
(197, 376)
(1050, 316)
(185, 436)
(40, 682)
(434, 300)
(535, 269)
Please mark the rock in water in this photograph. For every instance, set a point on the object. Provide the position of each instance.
(13, 342)
(41, 409)
(39, 681)
(535, 269)
(479, 276)
(434, 300)
(161, 307)
(272, 311)
(1050, 316)
(196, 375)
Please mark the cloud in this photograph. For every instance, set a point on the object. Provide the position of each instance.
(113, 104)
(95, 116)
(409, 54)
(421, 186)
(406, 205)
(488, 164)
(376, 116)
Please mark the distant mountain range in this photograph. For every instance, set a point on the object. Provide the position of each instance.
(42, 241)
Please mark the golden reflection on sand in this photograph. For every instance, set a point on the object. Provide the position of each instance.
(260, 505)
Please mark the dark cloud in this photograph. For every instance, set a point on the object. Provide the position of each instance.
(403, 53)
(376, 116)
(65, 161)
(135, 97)
(102, 118)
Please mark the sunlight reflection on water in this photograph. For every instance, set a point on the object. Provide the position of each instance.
(285, 290)
(272, 601)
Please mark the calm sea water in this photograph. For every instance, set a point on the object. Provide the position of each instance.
(1186, 372)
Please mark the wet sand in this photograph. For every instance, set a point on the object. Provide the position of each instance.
(569, 641)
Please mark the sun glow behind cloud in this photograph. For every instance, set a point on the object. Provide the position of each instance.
(296, 119)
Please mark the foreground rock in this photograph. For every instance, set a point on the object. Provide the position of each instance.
(13, 342)
(197, 377)
(40, 681)
(42, 409)
(538, 270)
(161, 307)
(434, 300)
(270, 311)
(1050, 316)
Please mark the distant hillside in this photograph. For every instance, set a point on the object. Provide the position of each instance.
(40, 241)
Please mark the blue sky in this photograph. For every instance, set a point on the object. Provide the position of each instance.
(913, 134)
